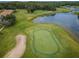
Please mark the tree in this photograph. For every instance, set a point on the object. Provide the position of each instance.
(8, 20)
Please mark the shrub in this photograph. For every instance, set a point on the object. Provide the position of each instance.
(8, 20)
(76, 13)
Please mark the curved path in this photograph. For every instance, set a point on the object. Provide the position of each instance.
(19, 49)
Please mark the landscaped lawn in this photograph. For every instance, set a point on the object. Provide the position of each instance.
(7, 39)
(46, 40)
(25, 26)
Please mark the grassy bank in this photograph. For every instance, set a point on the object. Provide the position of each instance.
(7, 38)
(63, 42)
(76, 13)
(23, 23)
(38, 13)
(62, 10)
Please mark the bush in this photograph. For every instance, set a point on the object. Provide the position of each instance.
(8, 20)
(63, 10)
(76, 13)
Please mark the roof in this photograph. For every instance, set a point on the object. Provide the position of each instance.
(6, 12)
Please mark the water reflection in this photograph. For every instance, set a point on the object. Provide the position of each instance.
(67, 20)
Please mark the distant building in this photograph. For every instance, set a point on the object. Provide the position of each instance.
(3, 14)
(6, 12)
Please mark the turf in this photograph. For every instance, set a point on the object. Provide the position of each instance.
(44, 43)
(51, 41)
(7, 36)
(62, 10)
(25, 26)
(48, 44)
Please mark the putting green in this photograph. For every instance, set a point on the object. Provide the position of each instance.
(51, 41)
(44, 42)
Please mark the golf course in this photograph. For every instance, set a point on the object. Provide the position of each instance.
(43, 40)
(22, 22)
(51, 41)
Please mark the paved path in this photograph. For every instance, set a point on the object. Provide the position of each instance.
(19, 49)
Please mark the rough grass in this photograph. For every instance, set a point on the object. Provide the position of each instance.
(7, 39)
(76, 13)
(67, 46)
(0, 26)
(7, 36)
(61, 10)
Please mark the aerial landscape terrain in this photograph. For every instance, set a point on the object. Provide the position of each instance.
(37, 29)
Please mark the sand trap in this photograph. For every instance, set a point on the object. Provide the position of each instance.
(19, 49)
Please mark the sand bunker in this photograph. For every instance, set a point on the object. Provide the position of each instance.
(19, 49)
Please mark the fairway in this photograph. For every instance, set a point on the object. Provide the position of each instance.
(22, 23)
(48, 45)
(51, 41)
(43, 42)
(39, 29)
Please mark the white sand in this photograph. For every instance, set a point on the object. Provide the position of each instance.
(19, 49)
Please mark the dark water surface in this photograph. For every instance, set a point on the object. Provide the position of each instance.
(67, 20)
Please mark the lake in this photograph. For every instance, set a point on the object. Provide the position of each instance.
(66, 20)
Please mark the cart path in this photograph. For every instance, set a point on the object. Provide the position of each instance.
(19, 49)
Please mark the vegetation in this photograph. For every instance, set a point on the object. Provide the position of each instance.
(62, 10)
(77, 13)
(8, 20)
(25, 13)
(60, 39)
(22, 23)
(32, 6)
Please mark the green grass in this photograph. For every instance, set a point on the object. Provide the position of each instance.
(76, 13)
(0, 26)
(43, 43)
(62, 10)
(24, 25)
(64, 45)
(7, 39)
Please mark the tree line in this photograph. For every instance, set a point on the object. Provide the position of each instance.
(32, 6)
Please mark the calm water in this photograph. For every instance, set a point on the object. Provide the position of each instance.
(67, 20)
(75, 9)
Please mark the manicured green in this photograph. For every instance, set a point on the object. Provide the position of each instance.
(7, 36)
(24, 25)
(46, 40)
(44, 43)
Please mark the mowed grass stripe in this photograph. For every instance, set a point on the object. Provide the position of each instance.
(67, 44)
(6, 44)
(44, 42)
(7, 39)
(45, 47)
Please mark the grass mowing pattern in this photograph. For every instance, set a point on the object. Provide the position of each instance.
(7, 39)
(48, 46)
(44, 43)
(68, 47)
